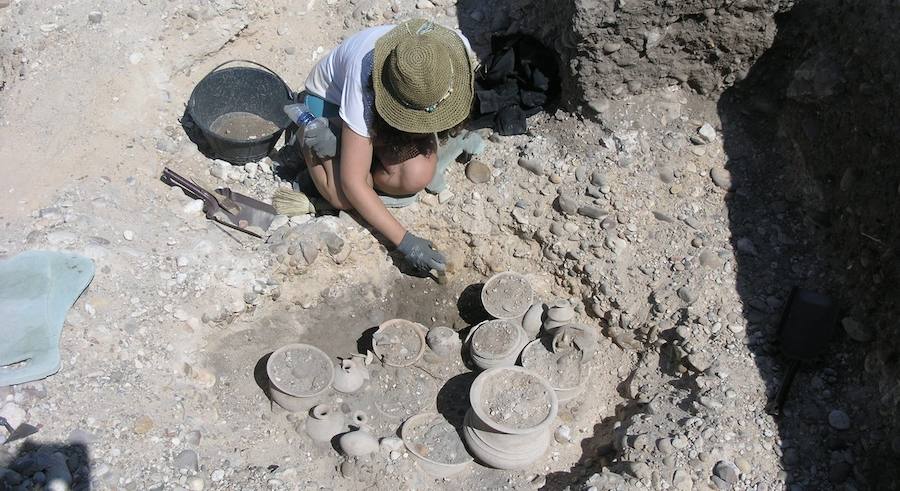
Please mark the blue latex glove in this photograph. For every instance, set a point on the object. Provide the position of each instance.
(320, 139)
(420, 254)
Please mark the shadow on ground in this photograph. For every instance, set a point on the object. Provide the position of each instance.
(46, 466)
(807, 137)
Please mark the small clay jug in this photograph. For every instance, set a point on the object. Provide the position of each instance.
(324, 423)
(359, 442)
(350, 375)
(443, 341)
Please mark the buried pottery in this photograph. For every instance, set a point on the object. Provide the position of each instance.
(508, 424)
(324, 423)
(298, 375)
(533, 320)
(351, 374)
(496, 343)
(565, 370)
(360, 441)
(443, 341)
(507, 296)
(399, 342)
(435, 445)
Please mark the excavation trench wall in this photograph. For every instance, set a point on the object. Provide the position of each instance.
(818, 81)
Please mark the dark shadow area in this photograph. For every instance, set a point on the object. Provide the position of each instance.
(469, 305)
(597, 451)
(364, 343)
(810, 137)
(453, 399)
(40, 465)
(260, 376)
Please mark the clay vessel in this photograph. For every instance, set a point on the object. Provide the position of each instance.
(443, 341)
(281, 376)
(350, 375)
(324, 423)
(359, 442)
(533, 320)
(496, 356)
(507, 295)
(500, 445)
(390, 333)
(537, 358)
(430, 466)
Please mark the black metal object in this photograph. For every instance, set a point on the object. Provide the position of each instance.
(259, 91)
(808, 323)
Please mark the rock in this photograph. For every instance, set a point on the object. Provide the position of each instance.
(128, 235)
(95, 16)
(14, 414)
(566, 204)
(193, 437)
(143, 425)
(196, 483)
(563, 434)
(193, 206)
(726, 471)
(591, 211)
(333, 242)
(687, 295)
(707, 133)
(856, 331)
(721, 177)
(664, 445)
(390, 444)
(478, 172)
(599, 106)
(838, 419)
(532, 165)
(700, 361)
(611, 47)
(217, 475)
(424, 5)
(135, 58)
(681, 479)
(187, 459)
(220, 170)
(710, 259)
(310, 250)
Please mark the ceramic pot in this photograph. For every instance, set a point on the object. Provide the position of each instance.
(507, 296)
(359, 442)
(299, 374)
(399, 342)
(324, 423)
(533, 320)
(350, 375)
(443, 341)
(488, 354)
(538, 358)
(431, 466)
(500, 444)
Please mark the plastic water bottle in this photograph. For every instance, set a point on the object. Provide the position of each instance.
(299, 113)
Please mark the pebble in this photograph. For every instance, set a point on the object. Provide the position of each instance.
(196, 483)
(838, 419)
(532, 165)
(856, 331)
(193, 437)
(726, 471)
(710, 259)
(611, 47)
(478, 172)
(14, 414)
(566, 204)
(128, 234)
(721, 177)
(135, 58)
(217, 475)
(682, 480)
(707, 133)
(687, 295)
(700, 361)
(599, 106)
(187, 459)
(143, 425)
(555, 178)
(591, 211)
(563, 434)
(193, 206)
(95, 16)
(664, 445)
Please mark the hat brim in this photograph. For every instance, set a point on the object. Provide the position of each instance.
(449, 112)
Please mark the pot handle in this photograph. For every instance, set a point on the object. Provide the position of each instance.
(287, 89)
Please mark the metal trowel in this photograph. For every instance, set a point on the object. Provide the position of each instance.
(809, 322)
(24, 430)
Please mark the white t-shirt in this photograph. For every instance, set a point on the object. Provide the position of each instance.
(343, 76)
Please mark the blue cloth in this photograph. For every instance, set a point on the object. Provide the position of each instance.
(37, 289)
(320, 107)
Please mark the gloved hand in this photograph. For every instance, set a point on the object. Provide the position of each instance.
(420, 254)
(320, 139)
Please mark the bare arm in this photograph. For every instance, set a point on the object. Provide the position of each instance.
(356, 182)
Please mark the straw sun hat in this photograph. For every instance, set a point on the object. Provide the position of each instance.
(423, 77)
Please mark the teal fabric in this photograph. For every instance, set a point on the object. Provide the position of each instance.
(37, 289)
(320, 107)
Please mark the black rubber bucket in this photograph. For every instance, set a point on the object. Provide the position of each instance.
(255, 90)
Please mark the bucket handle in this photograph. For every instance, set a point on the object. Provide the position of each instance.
(286, 88)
